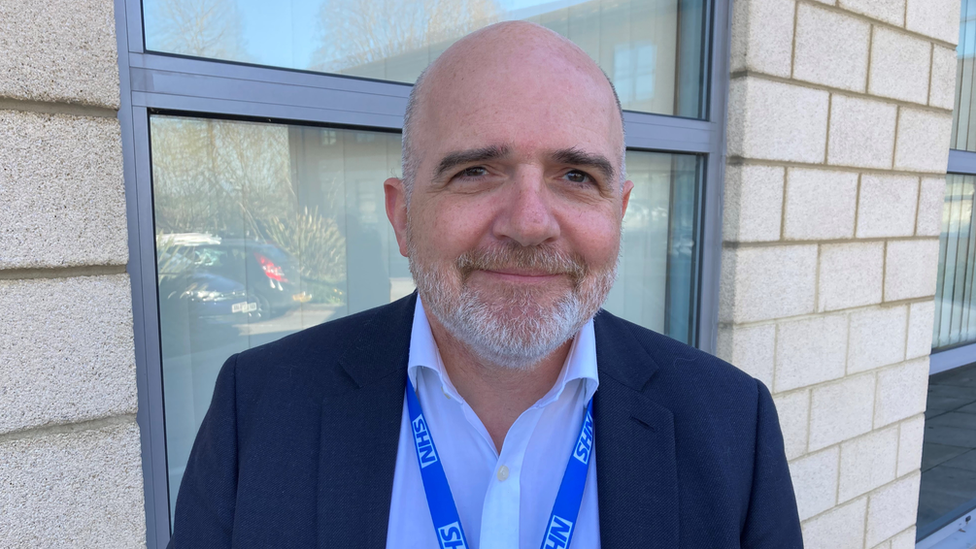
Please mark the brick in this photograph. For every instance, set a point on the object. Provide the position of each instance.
(820, 204)
(850, 275)
(794, 416)
(899, 66)
(776, 121)
(765, 283)
(840, 528)
(887, 205)
(904, 540)
(910, 269)
(902, 391)
(831, 48)
(750, 348)
(877, 338)
(73, 489)
(867, 462)
(921, 317)
(936, 18)
(762, 36)
(815, 482)
(753, 203)
(840, 411)
(911, 435)
(892, 509)
(942, 89)
(923, 141)
(64, 52)
(810, 351)
(889, 11)
(862, 132)
(931, 202)
(61, 192)
(69, 357)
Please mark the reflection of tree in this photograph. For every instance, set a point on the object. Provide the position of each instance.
(202, 28)
(357, 32)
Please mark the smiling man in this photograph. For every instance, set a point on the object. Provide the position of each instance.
(497, 407)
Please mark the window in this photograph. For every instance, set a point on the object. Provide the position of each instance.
(256, 150)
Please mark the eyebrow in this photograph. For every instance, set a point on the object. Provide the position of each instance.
(458, 158)
(578, 157)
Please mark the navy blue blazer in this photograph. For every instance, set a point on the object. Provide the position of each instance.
(299, 446)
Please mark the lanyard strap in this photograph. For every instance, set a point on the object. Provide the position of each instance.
(440, 500)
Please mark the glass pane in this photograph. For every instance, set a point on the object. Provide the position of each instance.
(954, 296)
(653, 50)
(265, 229)
(963, 125)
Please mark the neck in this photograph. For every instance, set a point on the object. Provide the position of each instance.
(497, 394)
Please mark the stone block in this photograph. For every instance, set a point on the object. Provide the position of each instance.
(892, 509)
(820, 204)
(942, 89)
(936, 18)
(62, 199)
(776, 121)
(76, 489)
(59, 51)
(766, 283)
(931, 202)
(810, 351)
(923, 141)
(750, 348)
(910, 269)
(851, 275)
(841, 410)
(902, 391)
(921, 317)
(831, 48)
(839, 528)
(887, 206)
(762, 36)
(753, 203)
(911, 435)
(904, 540)
(899, 66)
(69, 357)
(815, 482)
(877, 338)
(794, 415)
(889, 11)
(867, 462)
(862, 132)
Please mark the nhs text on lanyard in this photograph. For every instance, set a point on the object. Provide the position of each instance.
(440, 500)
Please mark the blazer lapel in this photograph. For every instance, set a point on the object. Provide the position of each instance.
(637, 482)
(360, 433)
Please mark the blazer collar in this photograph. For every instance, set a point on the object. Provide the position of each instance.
(637, 480)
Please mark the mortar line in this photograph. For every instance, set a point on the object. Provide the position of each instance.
(894, 144)
(796, 16)
(866, 240)
(867, 72)
(806, 442)
(782, 218)
(68, 428)
(830, 108)
(45, 107)
(918, 205)
(928, 97)
(816, 280)
(61, 272)
(884, 269)
(745, 161)
(857, 204)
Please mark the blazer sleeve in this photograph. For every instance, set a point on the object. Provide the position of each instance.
(772, 521)
(204, 514)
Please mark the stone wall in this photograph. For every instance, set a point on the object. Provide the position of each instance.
(838, 139)
(70, 469)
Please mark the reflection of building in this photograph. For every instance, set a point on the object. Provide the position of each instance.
(834, 153)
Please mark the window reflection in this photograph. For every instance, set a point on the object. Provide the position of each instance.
(651, 49)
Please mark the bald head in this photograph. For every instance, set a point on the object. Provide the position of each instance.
(513, 55)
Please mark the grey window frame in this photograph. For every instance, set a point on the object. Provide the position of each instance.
(152, 81)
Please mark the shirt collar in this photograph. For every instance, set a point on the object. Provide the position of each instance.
(580, 363)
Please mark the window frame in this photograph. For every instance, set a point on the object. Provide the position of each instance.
(157, 82)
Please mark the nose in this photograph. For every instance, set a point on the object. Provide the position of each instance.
(526, 215)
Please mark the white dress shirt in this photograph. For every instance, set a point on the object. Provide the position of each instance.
(504, 499)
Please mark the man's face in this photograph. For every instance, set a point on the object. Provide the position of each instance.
(513, 228)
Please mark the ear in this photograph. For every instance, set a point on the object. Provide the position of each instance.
(628, 186)
(396, 210)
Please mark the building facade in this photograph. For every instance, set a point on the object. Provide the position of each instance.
(204, 176)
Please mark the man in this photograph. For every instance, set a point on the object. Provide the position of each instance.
(462, 416)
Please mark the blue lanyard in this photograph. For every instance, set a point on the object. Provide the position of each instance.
(440, 500)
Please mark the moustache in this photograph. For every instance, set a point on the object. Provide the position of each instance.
(545, 259)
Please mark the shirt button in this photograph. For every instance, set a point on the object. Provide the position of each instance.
(502, 473)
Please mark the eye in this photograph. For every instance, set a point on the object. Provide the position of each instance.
(473, 172)
(577, 176)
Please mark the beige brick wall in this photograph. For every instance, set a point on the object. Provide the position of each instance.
(70, 470)
(838, 138)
